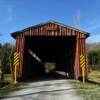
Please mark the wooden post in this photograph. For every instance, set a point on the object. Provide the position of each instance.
(83, 74)
(15, 78)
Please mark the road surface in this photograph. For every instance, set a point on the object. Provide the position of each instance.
(45, 90)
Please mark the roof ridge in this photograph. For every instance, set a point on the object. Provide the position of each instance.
(51, 21)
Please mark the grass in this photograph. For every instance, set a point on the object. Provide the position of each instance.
(9, 88)
(89, 91)
(8, 77)
(94, 76)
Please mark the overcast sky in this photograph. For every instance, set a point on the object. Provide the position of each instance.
(18, 14)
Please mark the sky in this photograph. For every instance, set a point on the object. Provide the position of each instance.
(19, 14)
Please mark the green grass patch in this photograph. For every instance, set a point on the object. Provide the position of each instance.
(8, 77)
(94, 76)
(9, 88)
(88, 91)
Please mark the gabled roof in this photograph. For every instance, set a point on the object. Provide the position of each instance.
(53, 22)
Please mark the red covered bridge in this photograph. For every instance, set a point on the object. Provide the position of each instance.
(54, 43)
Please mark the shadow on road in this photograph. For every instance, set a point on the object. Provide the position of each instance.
(40, 92)
(46, 77)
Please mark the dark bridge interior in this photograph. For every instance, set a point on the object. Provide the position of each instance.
(56, 54)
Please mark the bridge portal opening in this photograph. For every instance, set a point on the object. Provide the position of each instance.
(49, 56)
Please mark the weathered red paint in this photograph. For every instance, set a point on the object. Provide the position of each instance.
(53, 29)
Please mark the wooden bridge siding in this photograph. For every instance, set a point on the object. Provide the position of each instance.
(82, 50)
(43, 31)
(20, 48)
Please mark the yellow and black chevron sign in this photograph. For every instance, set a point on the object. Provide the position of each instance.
(82, 60)
(16, 58)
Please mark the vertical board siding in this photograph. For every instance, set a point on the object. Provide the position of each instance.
(62, 31)
(82, 50)
(86, 60)
(20, 49)
(86, 65)
(17, 47)
(77, 66)
(47, 30)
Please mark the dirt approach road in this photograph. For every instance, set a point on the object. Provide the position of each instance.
(45, 90)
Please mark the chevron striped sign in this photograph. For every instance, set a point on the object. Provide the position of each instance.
(82, 60)
(15, 63)
(16, 59)
(82, 64)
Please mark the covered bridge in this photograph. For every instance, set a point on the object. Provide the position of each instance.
(53, 45)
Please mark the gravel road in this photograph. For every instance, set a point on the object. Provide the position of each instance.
(45, 90)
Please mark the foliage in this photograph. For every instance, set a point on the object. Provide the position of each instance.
(5, 53)
(94, 57)
(94, 76)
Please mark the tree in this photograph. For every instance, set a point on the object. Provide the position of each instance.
(98, 56)
(7, 54)
(92, 57)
